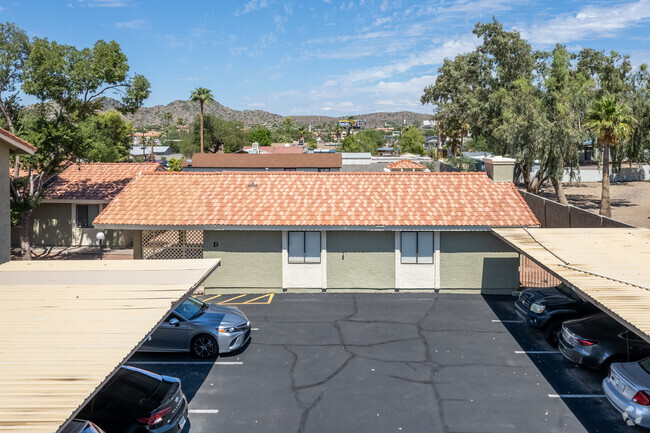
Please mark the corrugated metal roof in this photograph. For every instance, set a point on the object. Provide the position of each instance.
(609, 266)
(68, 326)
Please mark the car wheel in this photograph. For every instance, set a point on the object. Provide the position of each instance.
(204, 346)
(551, 332)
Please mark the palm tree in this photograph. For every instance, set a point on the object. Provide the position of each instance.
(302, 132)
(612, 122)
(202, 95)
(179, 122)
(168, 117)
(338, 131)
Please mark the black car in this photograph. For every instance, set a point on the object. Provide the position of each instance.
(81, 426)
(598, 340)
(136, 400)
(547, 308)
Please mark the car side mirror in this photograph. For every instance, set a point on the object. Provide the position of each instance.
(174, 322)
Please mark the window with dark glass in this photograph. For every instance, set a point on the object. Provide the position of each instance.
(86, 214)
(304, 247)
(417, 247)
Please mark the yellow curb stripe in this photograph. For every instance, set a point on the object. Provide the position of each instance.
(211, 298)
(255, 299)
(231, 299)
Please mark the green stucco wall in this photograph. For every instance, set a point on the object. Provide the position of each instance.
(52, 225)
(249, 259)
(477, 260)
(361, 260)
(5, 220)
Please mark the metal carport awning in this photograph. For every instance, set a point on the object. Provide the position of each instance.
(67, 326)
(609, 267)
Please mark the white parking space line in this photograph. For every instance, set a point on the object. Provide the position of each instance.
(186, 362)
(577, 396)
(255, 329)
(536, 352)
(507, 321)
(203, 411)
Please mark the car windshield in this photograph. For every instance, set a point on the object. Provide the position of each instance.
(566, 291)
(191, 308)
(645, 364)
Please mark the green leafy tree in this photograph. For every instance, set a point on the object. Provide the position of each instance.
(218, 133)
(638, 146)
(107, 137)
(565, 99)
(288, 125)
(612, 123)
(260, 135)
(203, 96)
(73, 81)
(174, 164)
(412, 141)
(14, 51)
(455, 94)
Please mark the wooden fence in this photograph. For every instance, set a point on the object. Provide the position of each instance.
(533, 275)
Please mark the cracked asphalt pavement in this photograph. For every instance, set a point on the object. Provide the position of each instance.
(389, 363)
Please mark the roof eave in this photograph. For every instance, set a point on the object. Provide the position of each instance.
(104, 226)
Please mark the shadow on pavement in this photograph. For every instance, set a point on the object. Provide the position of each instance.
(595, 414)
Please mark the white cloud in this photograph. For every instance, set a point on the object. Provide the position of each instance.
(257, 104)
(137, 24)
(252, 6)
(108, 3)
(433, 56)
(590, 22)
(472, 7)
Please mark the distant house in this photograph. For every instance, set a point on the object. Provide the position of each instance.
(73, 199)
(157, 150)
(9, 144)
(270, 162)
(405, 165)
(271, 150)
(386, 151)
(325, 231)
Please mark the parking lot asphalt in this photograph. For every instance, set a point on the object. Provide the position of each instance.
(389, 363)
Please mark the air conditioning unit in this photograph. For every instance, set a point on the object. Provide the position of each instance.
(255, 148)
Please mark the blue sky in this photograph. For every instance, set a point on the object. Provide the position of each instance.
(322, 57)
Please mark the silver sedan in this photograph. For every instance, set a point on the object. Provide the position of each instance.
(627, 388)
(203, 329)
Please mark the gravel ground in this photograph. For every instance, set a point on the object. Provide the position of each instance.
(630, 200)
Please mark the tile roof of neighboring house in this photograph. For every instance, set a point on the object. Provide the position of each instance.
(277, 149)
(405, 164)
(240, 160)
(205, 200)
(16, 142)
(95, 181)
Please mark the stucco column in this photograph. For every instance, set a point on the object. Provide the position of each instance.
(5, 217)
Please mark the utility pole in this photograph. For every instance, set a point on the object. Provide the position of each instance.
(144, 155)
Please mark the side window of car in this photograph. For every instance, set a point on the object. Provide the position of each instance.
(172, 316)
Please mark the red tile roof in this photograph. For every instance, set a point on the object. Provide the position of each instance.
(205, 200)
(261, 161)
(405, 164)
(95, 181)
(18, 142)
